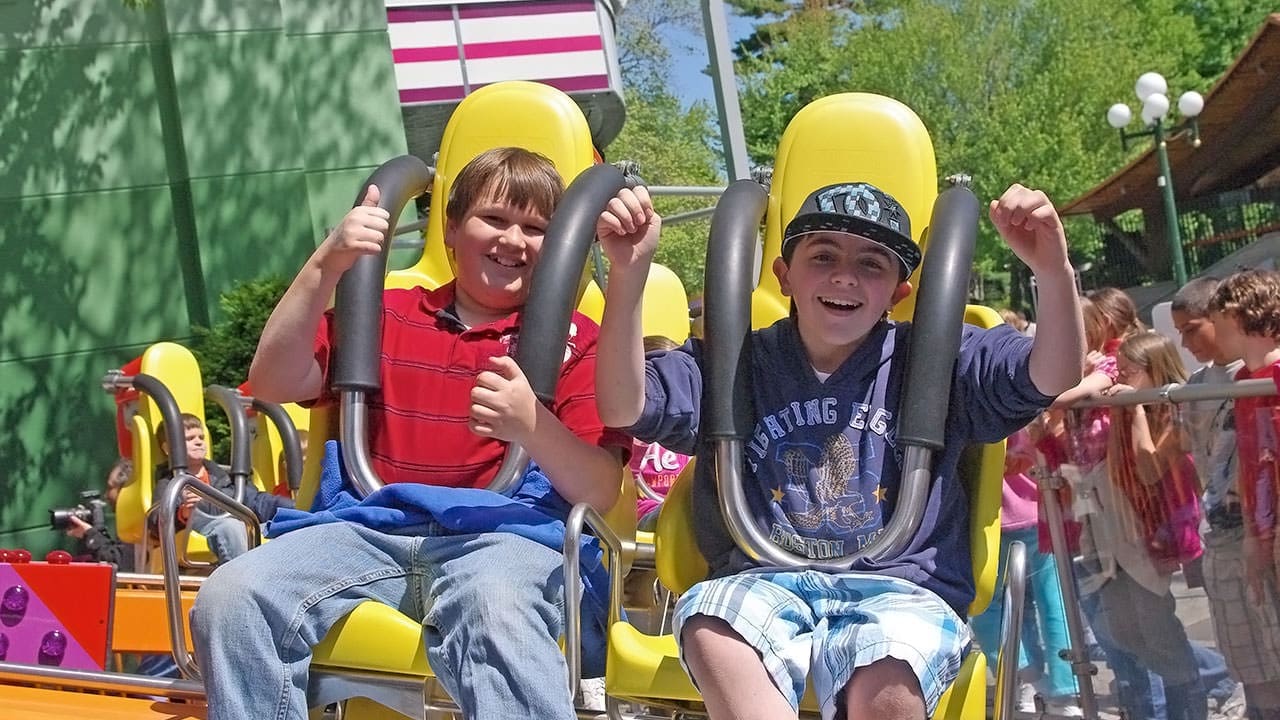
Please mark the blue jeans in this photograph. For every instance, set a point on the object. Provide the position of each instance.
(1044, 624)
(491, 606)
(228, 537)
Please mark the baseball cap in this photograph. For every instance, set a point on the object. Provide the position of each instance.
(859, 209)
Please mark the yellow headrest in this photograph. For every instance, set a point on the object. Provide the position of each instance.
(666, 305)
(176, 367)
(840, 138)
(506, 114)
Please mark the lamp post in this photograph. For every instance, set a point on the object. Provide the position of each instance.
(1150, 89)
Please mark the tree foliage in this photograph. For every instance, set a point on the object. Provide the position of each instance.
(1223, 26)
(1010, 90)
(225, 350)
(674, 144)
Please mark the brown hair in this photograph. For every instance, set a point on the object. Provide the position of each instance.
(1252, 297)
(654, 343)
(120, 473)
(1157, 355)
(1109, 314)
(1193, 298)
(510, 175)
(189, 422)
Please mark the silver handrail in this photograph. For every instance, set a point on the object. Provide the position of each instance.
(1006, 670)
(1075, 653)
(583, 515)
(169, 501)
(1181, 392)
(105, 681)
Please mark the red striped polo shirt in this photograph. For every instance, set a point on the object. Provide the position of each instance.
(418, 421)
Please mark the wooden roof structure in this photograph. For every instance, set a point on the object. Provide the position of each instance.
(1240, 133)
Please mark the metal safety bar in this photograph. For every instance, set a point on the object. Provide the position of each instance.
(923, 408)
(169, 501)
(544, 322)
(233, 405)
(99, 681)
(289, 437)
(582, 516)
(1180, 393)
(1006, 670)
(1076, 654)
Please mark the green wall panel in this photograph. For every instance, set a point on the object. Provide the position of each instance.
(237, 104)
(38, 23)
(86, 271)
(59, 433)
(203, 16)
(78, 118)
(333, 193)
(249, 227)
(346, 76)
(306, 16)
(39, 540)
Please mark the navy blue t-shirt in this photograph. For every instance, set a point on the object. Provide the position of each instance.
(823, 455)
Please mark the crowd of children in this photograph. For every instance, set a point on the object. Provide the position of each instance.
(887, 637)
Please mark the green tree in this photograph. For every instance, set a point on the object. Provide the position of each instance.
(1223, 26)
(674, 144)
(225, 350)
(1011, 90)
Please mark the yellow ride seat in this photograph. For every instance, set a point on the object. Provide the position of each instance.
(883, 142)
(376, 637)
(268, 447)
(176, 367)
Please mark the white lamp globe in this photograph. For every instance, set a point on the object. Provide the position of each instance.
(1191, 104)
(1149, 83)
(1154, 107)
(1119, 115)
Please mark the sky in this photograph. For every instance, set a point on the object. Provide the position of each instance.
(689, 53)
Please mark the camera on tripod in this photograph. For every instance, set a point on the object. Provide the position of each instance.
(92, 510)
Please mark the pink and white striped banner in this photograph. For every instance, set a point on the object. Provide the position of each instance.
(557, 42)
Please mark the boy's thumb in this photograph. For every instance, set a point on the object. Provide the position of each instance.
(372, 197)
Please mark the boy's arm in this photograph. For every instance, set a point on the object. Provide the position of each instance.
(284, 368)
(504, 407)
(628, 233)
(1030, 225)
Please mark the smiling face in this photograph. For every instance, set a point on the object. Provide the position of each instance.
(495, 247)
(842, 285)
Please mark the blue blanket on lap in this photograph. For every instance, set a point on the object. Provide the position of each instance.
(535, 512)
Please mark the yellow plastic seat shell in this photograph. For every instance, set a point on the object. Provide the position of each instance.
(823, 144)
(376, 637)
(176, 367)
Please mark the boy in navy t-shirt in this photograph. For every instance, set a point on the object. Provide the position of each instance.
(823, 462)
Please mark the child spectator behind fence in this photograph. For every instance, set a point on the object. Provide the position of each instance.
(886, 641)
(1248, 633)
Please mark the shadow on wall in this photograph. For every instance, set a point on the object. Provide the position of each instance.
(71, 231)
(97, 221)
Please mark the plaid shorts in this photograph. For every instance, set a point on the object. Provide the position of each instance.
(1248, 632)
(837, 623)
